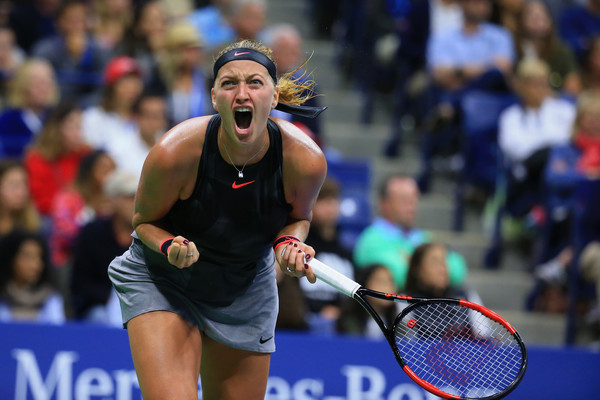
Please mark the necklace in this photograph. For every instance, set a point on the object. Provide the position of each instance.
(241, 171)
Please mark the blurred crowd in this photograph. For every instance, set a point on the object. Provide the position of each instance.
(88, 86)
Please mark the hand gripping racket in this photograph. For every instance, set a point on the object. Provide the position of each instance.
(452, 348)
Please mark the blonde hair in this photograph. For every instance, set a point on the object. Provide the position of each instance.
(169, 61)
(293, 91)
(587, 102)
(532, 68)
(20, 82)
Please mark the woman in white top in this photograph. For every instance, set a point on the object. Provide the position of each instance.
(527, 131)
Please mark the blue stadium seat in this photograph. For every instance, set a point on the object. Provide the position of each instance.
(480, 152)
(352, 174)
(354, 177)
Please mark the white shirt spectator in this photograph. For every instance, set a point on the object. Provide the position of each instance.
(129, 153)
(524, 131)
(101, 128)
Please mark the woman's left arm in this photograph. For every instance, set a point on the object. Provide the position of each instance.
(304, 170)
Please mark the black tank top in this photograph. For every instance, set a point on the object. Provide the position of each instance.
(233, 221)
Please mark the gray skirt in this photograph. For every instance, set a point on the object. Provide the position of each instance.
(248, 323)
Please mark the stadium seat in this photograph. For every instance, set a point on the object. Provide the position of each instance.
(480, 152)
(354, 177)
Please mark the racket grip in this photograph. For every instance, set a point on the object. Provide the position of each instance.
(334, 278)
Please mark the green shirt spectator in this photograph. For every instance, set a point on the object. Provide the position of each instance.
(391, 239)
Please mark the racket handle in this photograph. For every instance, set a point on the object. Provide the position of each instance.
(333, 278)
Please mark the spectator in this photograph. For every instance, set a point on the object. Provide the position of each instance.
(212, 23)
(428, 275)
(391, 238)
(578, 24)
(479, 56)
(568, 165)
(145, 40)
(54, 157)
(182, 68)
(149, 113)
(32, 21)
(78, 204)
(26, 291)
(76, 57)
(536, 38)
(354, 320)
(248, 19)
(324, 301)
(286, 42)
(111, 20)
(506, 14)
(98, 242)
(428, 278)
(11, 58)
(32, 92)
(528, 130)
(16, 208)
(112, 121)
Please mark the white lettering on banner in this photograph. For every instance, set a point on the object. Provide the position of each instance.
(355, 375)
(126, 381)
(304, 389)
(308, 389)
(58, 384)
(59, 376)
(363, 382)
(278, 389)
(85, 386)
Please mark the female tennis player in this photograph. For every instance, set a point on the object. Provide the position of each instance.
(217, 194)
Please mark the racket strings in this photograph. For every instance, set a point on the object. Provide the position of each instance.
(458, 350)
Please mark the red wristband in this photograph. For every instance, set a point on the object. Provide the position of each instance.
(165, 245)
(285, 239)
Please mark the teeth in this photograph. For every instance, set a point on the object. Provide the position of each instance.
(243, 109)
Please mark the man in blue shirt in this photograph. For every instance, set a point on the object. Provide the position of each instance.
(471, 57)
(478, 56)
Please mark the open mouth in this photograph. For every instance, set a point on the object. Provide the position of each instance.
(243, 117)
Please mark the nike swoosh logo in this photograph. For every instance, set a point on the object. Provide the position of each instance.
(263, 341)
(237, 186)
(240, 53)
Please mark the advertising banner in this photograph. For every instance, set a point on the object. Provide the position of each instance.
(82, 362)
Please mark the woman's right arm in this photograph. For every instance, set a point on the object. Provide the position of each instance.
(168, 175)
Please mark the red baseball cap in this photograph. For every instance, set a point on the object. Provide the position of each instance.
(120, 66)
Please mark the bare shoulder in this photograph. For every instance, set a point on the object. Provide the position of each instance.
(182, 144)
(172, 164)
(300, 153)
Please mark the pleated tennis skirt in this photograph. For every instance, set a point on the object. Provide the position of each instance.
(248, 323)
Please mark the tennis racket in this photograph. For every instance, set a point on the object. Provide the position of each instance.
(452, 348)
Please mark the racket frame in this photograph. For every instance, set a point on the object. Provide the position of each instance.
(360, 294)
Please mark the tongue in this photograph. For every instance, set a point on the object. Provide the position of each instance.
(243, 119)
